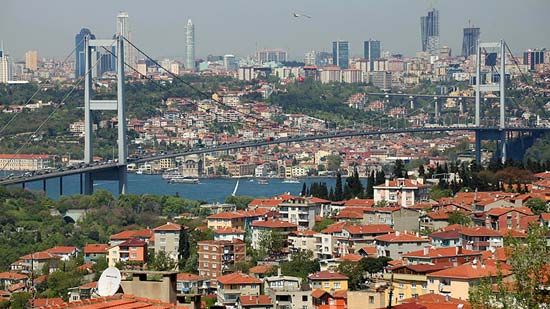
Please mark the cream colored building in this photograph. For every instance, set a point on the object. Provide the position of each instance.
(31, 60)
(24, 162)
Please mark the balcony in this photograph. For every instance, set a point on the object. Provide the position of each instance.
(445, 288)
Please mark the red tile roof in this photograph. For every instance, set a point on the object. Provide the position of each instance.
(95, 248)
(471, 271)
(238, 278)
(260, 269)
(446, 235)
(442, 252)
(227, 215)
(264, 202)
(351, 258)
(334, 228)
(318, 293)
(117, 301)
(479, 231)
(274, 224)
(39, 256)
(41, 302)
(228, 230)
(401, 237)
(168, 227)
(369, 250)
(317, 200)
(359, 202)
(438, 301)
(252, 300)
(61, 250)
(327, 275)
(499, 211)
(188, 277)
(144, 233)
(134, 242)
(368, 229)
(89, 285)
(12, 276)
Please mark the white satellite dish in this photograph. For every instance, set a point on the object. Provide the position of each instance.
(109, 282)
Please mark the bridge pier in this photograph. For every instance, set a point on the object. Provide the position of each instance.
(478, 147)
(503, 146)
(122, 180)
(88, 184)
(60, 186)
(44, 185)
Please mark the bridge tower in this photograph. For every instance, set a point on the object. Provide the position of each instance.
(491, 51)
(119, 172)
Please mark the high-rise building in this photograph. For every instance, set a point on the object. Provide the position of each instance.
(31, 60)
(230, 63)
(190, 43)
(5, 66)
(470, 41)
(372, 50)
(271, 55)
(340, 54)
(80, 63)
(310, 58)
(429, 29)
(123, 28)
(533, 57)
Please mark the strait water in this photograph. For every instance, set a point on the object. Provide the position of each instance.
(209, 189)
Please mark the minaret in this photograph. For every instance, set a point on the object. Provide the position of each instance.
(190, 42)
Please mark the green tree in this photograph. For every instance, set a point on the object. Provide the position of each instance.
(399, 169)
(457, 217)
(271, 243)
(436, 193)
(333, 162)
(338, 190)
(241, 201)
(529, 260)
(162, 262)
(59, 282)
(323, 224)
(301, 264)
(20, 300)
(537, 205)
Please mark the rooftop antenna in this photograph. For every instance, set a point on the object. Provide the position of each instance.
(109, 282)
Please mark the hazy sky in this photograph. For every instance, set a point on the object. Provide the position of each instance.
(241, 26)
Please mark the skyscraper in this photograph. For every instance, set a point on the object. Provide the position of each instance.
(340, 54)
(80, 63)
(372, 50)
(533, 57)
(31, 60)
(470, 40)
(190, 43)
(123, 28)
(5, 66)
(271, 55)
(429, 30)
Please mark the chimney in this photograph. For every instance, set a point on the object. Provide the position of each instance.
(397, 233)
(426, 250)
(447, 297)
(279, 272)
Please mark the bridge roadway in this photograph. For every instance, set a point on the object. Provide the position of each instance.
(426, 96)
(99, 167)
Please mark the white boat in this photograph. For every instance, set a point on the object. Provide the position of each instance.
(236, 188)
(179, 178)
(262, 182)
(291, 180)
(139, 172)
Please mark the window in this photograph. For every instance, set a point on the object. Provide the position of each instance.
(336, 285)
(163, 240)
(205, 256)
(205, 247)
(214, 265)
(431, 281)
(371, 299)
(424, 285)
(401, 285)
(413, 285)
(205, 264)
(327, 284)
(162, 248)
(401, 296)
(304, 297)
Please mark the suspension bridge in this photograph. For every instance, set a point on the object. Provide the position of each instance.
(91, 171)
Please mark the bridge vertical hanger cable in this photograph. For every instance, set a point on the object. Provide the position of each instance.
(38, 90)
(50, 115)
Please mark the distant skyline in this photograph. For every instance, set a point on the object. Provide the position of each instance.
(240, 27)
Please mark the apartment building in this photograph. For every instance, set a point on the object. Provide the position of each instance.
(300, 211)
(403, 192)
(167, 239)
(234, 285)
(217, 256)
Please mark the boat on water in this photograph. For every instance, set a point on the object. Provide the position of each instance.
(179, 178)
(139, 172)
(263, 182)
(290, 180)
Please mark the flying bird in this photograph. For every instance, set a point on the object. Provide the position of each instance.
(300, 15)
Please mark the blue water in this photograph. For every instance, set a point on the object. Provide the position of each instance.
(210, 190)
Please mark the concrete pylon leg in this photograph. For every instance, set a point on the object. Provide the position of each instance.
(478, 147)
(122, 180)
(88, 184)
(503, 153)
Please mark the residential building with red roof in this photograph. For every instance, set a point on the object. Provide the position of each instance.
(188, 283)
(506, 217)
(449, 256)
(329, 300)
(94, 252)
(300, 211)
(143, 234)
(403, 192)
(9, 278)
(65, 253)
(36, 262)
(133, 251)
(229, 233)
(226, 220)
(328, 281)
(216, 257)
(396, 244)
(480, 238)
(235, 285)
(446, 238)
(167, 239)
(259, 228)
(409, 280)
(350, 237)
(456, 281)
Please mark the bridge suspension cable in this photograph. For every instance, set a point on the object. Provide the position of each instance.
(206, 95)
(56, 108)
(37, 90)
